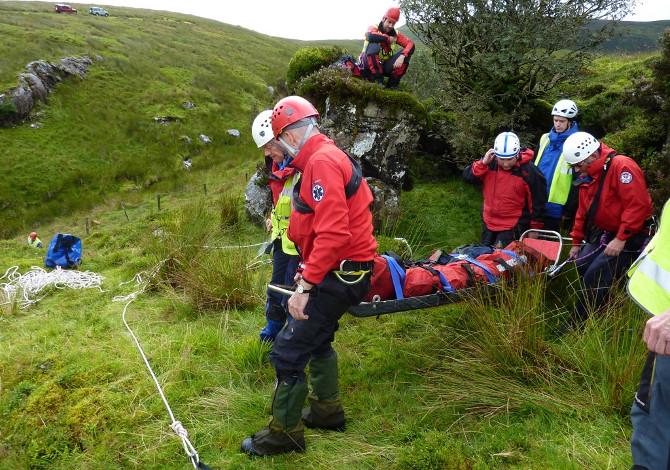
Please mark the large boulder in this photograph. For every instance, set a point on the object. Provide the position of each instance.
(383, 140)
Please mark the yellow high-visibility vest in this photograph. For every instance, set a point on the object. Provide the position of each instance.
(279, 217)
(561, 181)
(649, 284)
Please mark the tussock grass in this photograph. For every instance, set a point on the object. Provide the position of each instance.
(202, 262)
(501, 359)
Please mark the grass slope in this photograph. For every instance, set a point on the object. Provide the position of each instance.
(98, 136)
(477, 385)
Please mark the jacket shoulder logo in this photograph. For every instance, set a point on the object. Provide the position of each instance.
(317, 192)
(626, 177)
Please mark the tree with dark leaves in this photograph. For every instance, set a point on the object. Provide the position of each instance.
(495, 57)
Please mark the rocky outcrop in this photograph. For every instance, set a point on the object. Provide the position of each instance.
(258, 197)
(39, 80)
(381, 140)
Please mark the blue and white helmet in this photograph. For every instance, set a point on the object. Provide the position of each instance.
(507, 145)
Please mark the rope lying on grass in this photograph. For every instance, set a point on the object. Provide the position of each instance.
(176, 426)
(25, 288)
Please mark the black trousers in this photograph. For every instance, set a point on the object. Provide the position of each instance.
(501, 239)
(301, 340)
(599, 271)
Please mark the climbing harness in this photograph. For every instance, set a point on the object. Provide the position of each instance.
(176, 426)
(361, 271)
(25, 288)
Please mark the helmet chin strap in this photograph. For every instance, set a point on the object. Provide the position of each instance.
(287, 157)
(294, 151)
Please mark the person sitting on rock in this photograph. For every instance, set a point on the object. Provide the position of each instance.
(381, 56)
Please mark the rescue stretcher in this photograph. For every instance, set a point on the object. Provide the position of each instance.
(541, 252)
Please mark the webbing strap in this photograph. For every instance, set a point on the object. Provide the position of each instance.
(504, 264)
(513, 255)
(397, 275)
(349, 189)
(446, 286)
(491, 277)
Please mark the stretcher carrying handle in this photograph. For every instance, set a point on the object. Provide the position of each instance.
(286, 290)
(549, 235)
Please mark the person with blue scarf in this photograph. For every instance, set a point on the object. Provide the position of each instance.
(561, 194)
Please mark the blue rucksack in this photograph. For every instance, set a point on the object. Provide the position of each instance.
(64, 251)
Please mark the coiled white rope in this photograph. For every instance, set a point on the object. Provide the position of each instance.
(26, 288)
(176, 426)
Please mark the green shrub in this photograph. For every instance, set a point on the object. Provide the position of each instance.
(7, 110)
(310, 59)
(342, 89)
(657, 174)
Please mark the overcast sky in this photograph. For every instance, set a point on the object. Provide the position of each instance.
(312, 19)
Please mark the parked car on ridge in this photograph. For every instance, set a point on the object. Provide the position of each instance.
(98, 11)
(63, 8)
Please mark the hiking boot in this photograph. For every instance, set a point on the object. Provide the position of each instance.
(274, 442)
(285, 433)
(324, 414)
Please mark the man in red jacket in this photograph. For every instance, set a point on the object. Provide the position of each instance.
(515, 194)
(381, 56)
(331, 225)
(612, 219)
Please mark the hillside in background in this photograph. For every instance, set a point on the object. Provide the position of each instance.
(635, 36)
(98, 137)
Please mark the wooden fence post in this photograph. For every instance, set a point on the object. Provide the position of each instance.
(159, 201)
(87, 232)
(124, 211)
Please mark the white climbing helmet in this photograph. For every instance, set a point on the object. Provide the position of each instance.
(579, 146)
(565, 108)
(261, 129)
(507, 145)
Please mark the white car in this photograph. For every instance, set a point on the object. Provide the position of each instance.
(97, 11)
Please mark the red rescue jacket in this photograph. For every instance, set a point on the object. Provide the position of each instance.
(339, 228)
(374, 34)
(624, 203)
(518, 196)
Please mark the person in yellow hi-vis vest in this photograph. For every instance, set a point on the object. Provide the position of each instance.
(34, 241)
(561, 194)
(649, 287)
(285, 257)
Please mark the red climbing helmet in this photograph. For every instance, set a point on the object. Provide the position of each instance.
(393, 14)
(33, 235)
(290, 110)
